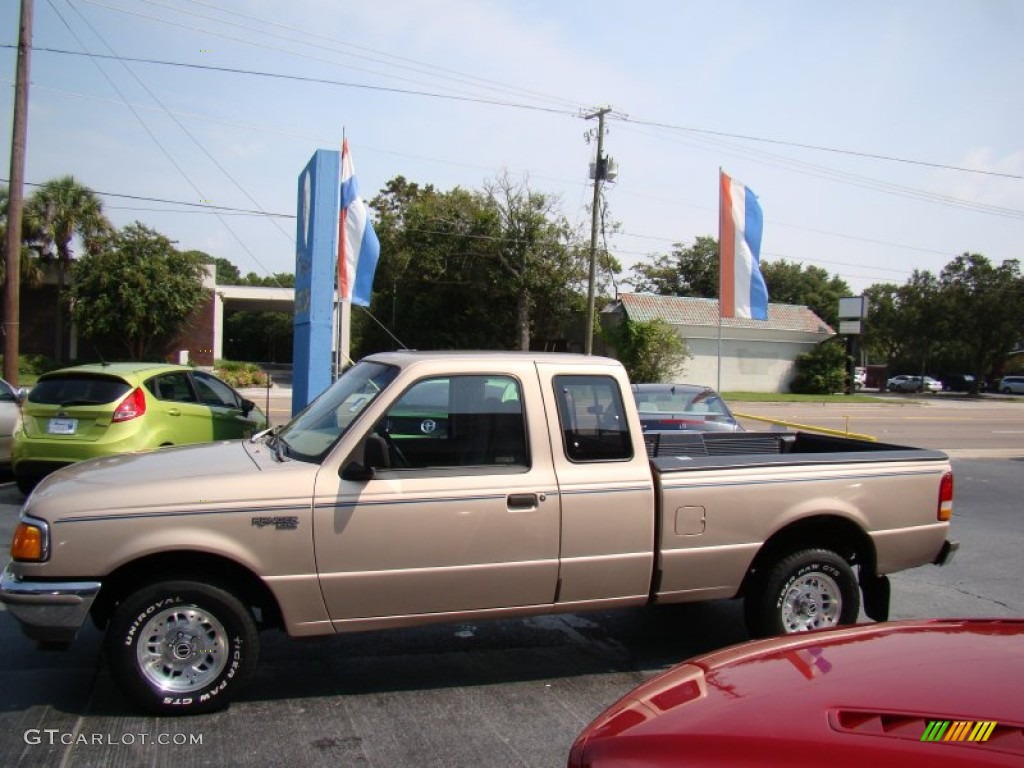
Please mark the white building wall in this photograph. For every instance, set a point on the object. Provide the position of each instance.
(749, 364)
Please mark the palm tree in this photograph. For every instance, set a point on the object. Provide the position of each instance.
(31, 271)
(65, 209)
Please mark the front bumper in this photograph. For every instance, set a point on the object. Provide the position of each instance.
(49, 612)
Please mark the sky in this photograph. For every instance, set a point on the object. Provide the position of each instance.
(880, 137)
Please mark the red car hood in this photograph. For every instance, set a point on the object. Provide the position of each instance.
(860, 696)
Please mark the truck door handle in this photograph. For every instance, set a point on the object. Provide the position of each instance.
(522, 501)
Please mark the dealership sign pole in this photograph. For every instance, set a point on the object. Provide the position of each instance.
(852, 311)
(315, 247)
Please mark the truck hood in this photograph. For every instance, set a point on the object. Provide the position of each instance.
(191, 474)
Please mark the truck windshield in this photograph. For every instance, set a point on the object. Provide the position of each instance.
(315, 430)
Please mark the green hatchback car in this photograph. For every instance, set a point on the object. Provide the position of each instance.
(89, 411)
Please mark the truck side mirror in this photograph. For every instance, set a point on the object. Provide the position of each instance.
(375, 456)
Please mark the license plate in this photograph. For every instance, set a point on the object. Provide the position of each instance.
(62, 426)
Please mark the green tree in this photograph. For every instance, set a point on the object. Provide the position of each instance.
(226, 272)
(30, 268)
(903, 323)
(651, 351)
(229, 274)
(978, 310)
(63, 210)
(463, 269)
(687, 271)
(921, 315)
(276, 280)
(693, 271)
(431, 285)
(884, 335)
(792, 283)
(533, 250)
(139, 290)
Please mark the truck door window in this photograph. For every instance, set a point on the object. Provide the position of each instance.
(592, 418)
(457, 421)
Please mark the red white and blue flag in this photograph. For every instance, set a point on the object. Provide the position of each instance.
(742, 291)
(358, 247)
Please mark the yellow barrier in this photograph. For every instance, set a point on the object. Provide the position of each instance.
(809, 427)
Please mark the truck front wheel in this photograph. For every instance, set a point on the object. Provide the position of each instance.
(181, 647)
(809, 589)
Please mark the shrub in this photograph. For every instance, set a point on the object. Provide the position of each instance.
(822, 371)
(650, 351)
(239, 374)
(33, 365)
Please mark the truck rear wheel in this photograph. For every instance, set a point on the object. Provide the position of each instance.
(809, 589)
(181, 647)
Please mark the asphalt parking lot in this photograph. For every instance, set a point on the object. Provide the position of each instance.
(503, 693)
(982, 427)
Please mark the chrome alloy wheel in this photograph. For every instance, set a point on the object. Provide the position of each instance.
(182, 649)
(811, 602)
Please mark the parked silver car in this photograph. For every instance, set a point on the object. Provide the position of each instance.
(914, 384)
(671, 407)
(10, 417)
(1012, 385)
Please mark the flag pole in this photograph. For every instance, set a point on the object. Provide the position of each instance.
(341, 316)
(718, 384)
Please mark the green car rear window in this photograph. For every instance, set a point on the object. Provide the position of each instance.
(78, 390)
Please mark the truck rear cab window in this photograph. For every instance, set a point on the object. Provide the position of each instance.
(592, 418)
(457, 421)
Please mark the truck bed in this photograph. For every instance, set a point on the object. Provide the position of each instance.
(682, 451)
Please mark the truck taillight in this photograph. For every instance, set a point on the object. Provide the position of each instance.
(131, 407)
(945, 511)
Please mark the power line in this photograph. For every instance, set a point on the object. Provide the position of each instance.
(337, 46)
(461, 77)
(818, 148)
(245, 41)
(212, 209)
(852, 179)
(305, 137)
(209, 207)
(304, 79)
(864, 182)
(182, 127)
(227, 210)
(515, 105)
(789, 163)
(146, 128)
(843, 235)
(143, 209)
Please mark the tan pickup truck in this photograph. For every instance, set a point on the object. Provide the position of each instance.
(427, 487)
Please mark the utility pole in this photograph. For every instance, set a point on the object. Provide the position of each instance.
(12, 293)
(599, 174)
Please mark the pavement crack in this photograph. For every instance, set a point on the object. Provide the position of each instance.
(967, 592)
